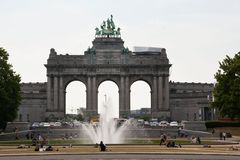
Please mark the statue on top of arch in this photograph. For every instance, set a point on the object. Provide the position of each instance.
(107, 29)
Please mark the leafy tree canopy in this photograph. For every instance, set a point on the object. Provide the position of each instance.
(10, 96)
(227, 89)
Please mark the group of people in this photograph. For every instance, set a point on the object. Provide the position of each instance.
(39, 140)
(222, 135)
(196, 140)
(164, 141)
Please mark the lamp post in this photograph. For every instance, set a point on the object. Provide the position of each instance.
(105, 98)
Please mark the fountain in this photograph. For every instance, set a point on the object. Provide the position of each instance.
(108, 130)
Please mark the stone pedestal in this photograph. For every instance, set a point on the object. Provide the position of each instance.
(54, 114)
(194, 125)
(124, 114)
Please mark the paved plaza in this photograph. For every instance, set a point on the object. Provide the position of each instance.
(187, 152)
(141, 156)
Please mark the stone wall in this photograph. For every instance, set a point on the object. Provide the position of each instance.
(188, 100)
(34, 102)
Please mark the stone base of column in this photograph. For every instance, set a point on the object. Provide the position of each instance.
(90, 114)
(124, 114)
(163, 115)
(54, 115)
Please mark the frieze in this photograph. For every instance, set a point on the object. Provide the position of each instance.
(108, 70)
(75, 70)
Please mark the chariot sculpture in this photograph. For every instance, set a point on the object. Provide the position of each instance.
(108, 29)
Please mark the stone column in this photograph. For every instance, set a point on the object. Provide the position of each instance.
(160, 93)
(89, 95)
(61, 96)
(127, 96)
(121, 97)
(202, 110)
(55, 93)
(49, 94)
(166, 93)
(94, 96)
(152, 106)
(154, 95)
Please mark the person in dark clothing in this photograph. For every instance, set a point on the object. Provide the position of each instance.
(220, 135)
(162, 141)
(164, 137)
(171, 144)
(27, 135)
(213, 131)
(198, 140)
(102, 146)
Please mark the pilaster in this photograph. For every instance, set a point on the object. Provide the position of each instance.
(166, 93)
(49, 95)
(160, 93)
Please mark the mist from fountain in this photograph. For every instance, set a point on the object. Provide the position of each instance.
(108, 130)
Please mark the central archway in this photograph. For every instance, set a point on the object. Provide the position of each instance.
(108, 91)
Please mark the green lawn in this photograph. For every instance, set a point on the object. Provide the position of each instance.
(128, 141)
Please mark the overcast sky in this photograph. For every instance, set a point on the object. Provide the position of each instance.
(197, 34)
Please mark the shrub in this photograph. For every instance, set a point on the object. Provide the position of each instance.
(215, 124)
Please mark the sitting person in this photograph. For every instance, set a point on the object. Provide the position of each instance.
(198, 140)
(49, 148)
(171, 144)
(102, 146)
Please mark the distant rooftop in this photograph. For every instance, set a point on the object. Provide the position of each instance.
(146, 49)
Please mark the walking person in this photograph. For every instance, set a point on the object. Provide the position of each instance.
(162, 140)
(220, 135)
(224, 135)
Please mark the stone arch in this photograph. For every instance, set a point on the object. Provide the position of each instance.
(113, 79)
(148, 80)
(68, 80)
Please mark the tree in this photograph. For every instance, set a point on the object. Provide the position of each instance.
(10, 96)
(227, 89)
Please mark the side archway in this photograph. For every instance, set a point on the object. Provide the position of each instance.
(75, 95)
(140, 95)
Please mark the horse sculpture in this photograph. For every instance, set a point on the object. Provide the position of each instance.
(98, 32)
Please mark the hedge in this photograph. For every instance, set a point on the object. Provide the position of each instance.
(215, 124)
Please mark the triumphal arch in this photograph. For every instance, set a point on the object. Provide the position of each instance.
(108, 59)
